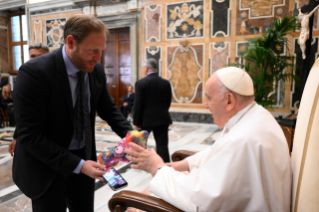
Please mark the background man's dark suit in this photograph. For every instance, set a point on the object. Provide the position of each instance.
(130, 101)
(153, 97)
(44, 115)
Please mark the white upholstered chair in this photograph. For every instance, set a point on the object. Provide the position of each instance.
(305, 153)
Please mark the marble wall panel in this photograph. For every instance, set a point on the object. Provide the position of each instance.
(185, 69)
(314, 53)
(153, 22)
(155, 53)
(254, 17)
(220, 18)
(38, 31)
(185, 20)
(4, 60)
(54, 32)
(219, 55)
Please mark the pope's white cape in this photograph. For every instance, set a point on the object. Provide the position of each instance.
(246, 169)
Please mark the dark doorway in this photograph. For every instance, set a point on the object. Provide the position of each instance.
(116, 59)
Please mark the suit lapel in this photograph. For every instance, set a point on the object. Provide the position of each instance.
(93, 92)
(64, 81)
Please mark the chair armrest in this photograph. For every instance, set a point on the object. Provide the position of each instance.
(182, 154)
(124, 199)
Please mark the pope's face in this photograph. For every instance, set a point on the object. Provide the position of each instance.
(215, 102)
(88, 53)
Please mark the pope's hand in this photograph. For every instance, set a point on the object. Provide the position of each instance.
(148, 161)
(94, 169)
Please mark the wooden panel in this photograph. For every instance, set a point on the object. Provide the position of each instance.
(124, 53)
(289, 134)
(117, 63)
(111, 36)
(124, 35)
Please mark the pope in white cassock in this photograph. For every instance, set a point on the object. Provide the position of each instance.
(246, 169)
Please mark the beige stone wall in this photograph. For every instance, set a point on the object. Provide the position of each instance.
(215, 33)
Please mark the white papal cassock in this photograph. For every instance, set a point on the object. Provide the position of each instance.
(246, 169)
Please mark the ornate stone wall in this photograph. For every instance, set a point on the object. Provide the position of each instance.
(216, 33)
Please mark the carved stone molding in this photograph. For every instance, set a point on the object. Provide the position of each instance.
(96, 2)
(51, 7)
(10, 4)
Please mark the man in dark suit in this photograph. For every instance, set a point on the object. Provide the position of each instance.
(128, 101)
(153, 97)
(35, 50)
(56, 98)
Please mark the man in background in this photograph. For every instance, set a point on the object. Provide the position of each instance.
(35, 50)
(128, 101)
(152, 101)
(246, 169)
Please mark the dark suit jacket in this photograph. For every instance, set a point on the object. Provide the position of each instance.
(153, 96)
(130, 99)
(44, 116)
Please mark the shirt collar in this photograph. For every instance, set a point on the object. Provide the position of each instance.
(151, 73)
(70, 67)
(233, 120)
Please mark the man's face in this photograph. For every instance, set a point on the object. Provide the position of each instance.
(88, 53)
(145, 70)
(215, 102)
(130, 89)
(36, 52)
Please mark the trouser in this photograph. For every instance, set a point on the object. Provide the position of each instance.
(161, 139)
(12, 121)
(75, 192)
(125, 110)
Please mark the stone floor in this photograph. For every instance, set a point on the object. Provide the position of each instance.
(189, 136)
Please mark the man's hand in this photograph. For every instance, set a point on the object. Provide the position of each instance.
(94, 169)
(12, 146)
(148, 161)
(125, 104)
(181, 166)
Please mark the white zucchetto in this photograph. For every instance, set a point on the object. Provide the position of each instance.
(236, 80)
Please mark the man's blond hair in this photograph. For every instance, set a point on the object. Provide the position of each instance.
(81, 25)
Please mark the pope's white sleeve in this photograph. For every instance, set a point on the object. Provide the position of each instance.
(195, 160)
(170, 186)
